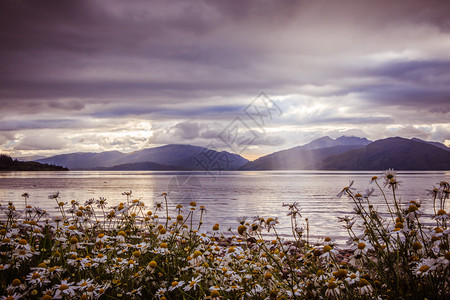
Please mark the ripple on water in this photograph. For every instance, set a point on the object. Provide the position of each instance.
(225, 196)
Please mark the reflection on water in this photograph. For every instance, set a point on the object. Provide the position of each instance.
(226, 195)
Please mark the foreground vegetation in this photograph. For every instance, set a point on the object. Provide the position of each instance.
(90, 251)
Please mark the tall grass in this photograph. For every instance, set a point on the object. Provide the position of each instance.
(90, 251)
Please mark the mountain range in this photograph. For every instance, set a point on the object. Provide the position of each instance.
(396, 153)
(169, 157)
(306, 157)
(343, 153)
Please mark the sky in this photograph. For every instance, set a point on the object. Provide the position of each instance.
(250, 77)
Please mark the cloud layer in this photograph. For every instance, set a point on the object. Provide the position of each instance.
(94, 76)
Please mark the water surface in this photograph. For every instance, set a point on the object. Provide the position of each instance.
(226, 195)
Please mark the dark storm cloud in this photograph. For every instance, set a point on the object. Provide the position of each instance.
(13, 125)
(57, 49)
(433, 100)
(417, 84)
(88, 50)
(67, 64)
(163, 111)
(416, 71)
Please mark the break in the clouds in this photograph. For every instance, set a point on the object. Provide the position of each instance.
(115, 75)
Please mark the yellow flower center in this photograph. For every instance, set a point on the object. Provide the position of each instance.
(214, 294)
(417, 246)
(363, 282)
(326, 248)
(441, 212)
(424, 268)
(332, 285)
(447, 256)
(399, 225)
(16, 282)
(412, 208)
(340, 274)
(242, 229)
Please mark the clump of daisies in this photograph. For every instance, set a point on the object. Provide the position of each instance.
(130, 251)
(403, 251)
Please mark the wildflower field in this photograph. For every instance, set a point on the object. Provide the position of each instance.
(93, 251)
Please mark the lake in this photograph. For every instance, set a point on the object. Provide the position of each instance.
(226, 195)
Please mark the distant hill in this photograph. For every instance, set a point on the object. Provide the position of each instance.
(343, 153)
(29, 158)
(439, 145)
(397, 153)
(306, 157)
(83, 160)
(326, 141)
(296, 158)
(181, 157)
(141, 166)
(352, 140)
(9, 164)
